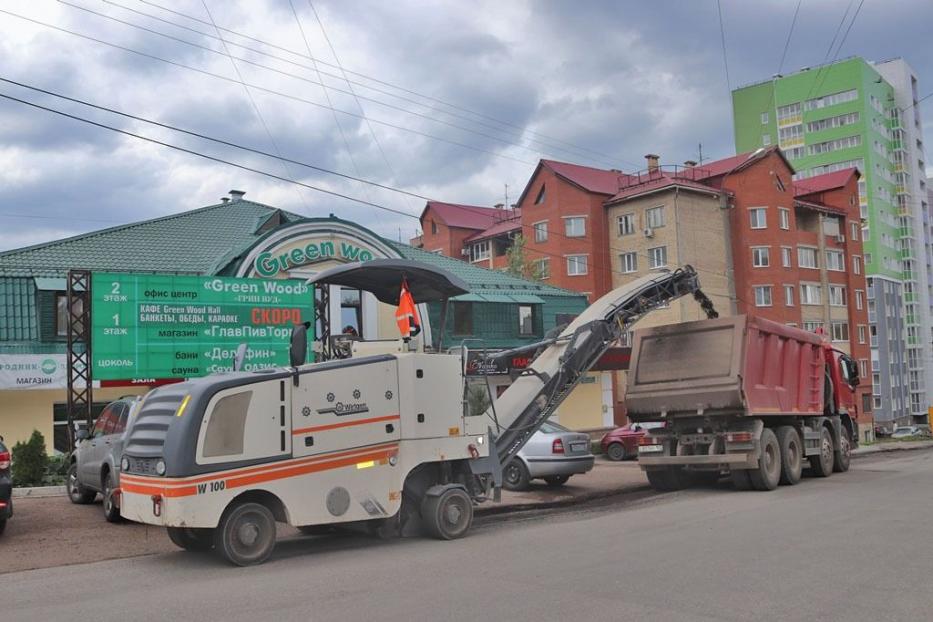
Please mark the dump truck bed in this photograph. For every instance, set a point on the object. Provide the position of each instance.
(738, 365)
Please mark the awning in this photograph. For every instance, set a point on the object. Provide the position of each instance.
(526, 299)
(51, 284)
(468, 298)
(489, 297)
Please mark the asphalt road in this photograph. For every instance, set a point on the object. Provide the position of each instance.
(854, 547)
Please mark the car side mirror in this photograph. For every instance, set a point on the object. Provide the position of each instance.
(81, 435)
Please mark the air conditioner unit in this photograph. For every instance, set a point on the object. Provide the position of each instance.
(841, 238)
(649, 232)
(465, 252)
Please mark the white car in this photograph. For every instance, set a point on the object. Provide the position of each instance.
(553, 454)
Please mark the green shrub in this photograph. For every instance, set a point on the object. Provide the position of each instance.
(30, 461)
(57, 470)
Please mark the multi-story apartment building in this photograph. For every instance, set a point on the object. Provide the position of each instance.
(480, 235)
(853, 113)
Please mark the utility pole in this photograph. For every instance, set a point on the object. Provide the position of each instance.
(700, 154)
(507, 206)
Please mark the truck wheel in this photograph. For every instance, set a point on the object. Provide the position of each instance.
(768, 473)
(822, 463)
(740, 479)
(76, 492)
(447, 516)
(667, 479)
(246, 534)
(111, 509)
(791, 455)
(843, 454)
(616, 451)
(515, 477)
(194, 540)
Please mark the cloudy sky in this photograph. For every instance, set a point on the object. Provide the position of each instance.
(449, 100)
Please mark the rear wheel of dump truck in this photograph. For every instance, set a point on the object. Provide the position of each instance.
(194, 540)
(246, 534)
(447, 516)
(791, 454)
(822, 463)
(843, 453)
(768, 473)
(667, 479)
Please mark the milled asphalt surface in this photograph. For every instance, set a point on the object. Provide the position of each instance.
(856, 546)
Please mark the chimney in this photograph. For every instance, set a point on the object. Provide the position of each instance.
(499, 205)
(652, 162)
(224, 199)
(690, 163)
(236, 195)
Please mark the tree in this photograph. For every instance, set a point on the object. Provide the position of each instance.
(30, 461)
(518, 263)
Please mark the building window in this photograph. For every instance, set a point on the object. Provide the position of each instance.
(810, 294)
(626, 224)
(542, 268)
(812, 327)
(837, 296)
(863, 369)
(839, 331)
(786, 256)
(433, 227)
(856, 264)
(657, 257)
(831, 122)
(862, 333)
(859, 299)
(766, 139)
(764, 118)
(758, 217)
(853, 227)
(831, 100)
(784, 215)
(576, 265)
(806, 257)
(575, 226)
(654, 217)
(541, 194)
(61, 314)
(629, 262)
(761, 256)
(526, 324)
(789, 295)
(351, 311)
(835, 261)
(788, 112)
(463, 318)
(762, 295)
(479, 251)
(832, 145)
(540, 231)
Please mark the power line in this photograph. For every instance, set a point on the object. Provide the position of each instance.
(789, 35)
(829, 51)
(355, 73)
(263, 89)
(841, 43)
(315, 62)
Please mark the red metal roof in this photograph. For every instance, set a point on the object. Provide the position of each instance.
(497, 229)
(662, 181)
(597, 180)
(822, 183)
(463, 216)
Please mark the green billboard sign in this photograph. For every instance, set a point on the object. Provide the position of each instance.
(156, 326)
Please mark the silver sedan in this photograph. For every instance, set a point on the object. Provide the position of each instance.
(553, 454)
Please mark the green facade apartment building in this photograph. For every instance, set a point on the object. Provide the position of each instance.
(854, 113)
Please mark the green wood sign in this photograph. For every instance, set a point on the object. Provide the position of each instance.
(155, 326)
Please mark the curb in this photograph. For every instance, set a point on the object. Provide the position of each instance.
(40, 491)
(893, 448)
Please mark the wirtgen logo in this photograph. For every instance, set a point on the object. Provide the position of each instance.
(340, 409)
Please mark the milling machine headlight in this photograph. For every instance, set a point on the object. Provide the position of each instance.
(160, 467)
(125, 464)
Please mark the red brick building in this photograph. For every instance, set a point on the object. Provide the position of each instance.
(472, 233)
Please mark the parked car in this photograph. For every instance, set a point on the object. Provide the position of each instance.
(6, 487)
(95, 462)
(906, 431)
(882, 432)
(553, 454)
(622, 443)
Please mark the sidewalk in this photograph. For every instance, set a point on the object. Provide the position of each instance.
(883, 446)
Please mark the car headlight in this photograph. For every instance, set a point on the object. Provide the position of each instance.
(125, 464)
(160, 467)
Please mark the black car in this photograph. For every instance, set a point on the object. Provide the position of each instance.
(6, 487)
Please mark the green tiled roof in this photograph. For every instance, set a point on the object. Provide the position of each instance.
(189, 242)
(18, 318)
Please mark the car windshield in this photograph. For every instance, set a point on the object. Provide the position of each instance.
(549, 427)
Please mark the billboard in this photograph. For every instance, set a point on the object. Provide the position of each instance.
(147, 327)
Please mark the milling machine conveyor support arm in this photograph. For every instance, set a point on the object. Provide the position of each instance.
(541, 388)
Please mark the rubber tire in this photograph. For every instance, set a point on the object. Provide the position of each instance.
(740, 479)
(791, 455)
(111, 510)
(843, 455)
(77, 493)
(192, 540)
(556, 481)
(227, 541)
(822, 464)
(518, 472)
(616, 452)
(667, 479)
(768, 474)
(437, 514)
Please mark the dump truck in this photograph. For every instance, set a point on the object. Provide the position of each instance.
(742, 395)
(378, 436)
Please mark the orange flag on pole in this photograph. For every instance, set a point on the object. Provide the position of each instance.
(406, 316)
